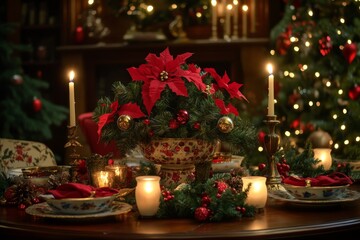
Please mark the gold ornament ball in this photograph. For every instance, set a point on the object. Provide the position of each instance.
(320, 139)
(225, 124)
(124, 122)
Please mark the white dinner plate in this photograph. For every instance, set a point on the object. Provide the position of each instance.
(348, 196)
(44, 210)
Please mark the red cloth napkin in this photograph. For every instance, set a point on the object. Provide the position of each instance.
(79, 190)
(333, 179)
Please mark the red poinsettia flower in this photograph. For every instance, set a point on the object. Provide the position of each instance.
(163, 71)
(226, 109)
(223, 83)
(131, 109)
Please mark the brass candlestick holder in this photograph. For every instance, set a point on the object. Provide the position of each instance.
(71, 147)
(272, 141)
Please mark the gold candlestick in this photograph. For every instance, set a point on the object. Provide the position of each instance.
(272, 141)
(72, 155)
(71, 147)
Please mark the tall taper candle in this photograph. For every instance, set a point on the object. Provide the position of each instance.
(214, 19)
(253, 16)
(228, 21)
(244, 21)
(72, 120)
(236, 20)
(271, 90)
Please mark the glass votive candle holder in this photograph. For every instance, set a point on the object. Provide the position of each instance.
(147, 195)
(103, 178)
(324, 155)
(257, 195)
(120, 175)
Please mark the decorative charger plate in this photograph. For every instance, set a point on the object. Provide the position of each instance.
(44, 210)
(347, 196)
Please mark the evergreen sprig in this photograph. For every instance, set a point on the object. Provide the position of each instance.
(223, 204)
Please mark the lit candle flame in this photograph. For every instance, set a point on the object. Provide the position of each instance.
(71, 75)
(269, 67)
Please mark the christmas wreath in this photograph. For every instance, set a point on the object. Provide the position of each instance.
(170, 98)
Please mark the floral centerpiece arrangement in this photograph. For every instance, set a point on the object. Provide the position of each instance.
(169, 98)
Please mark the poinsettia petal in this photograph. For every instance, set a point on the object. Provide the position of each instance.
(136, 74)
(106, 118)
(177, 85)
(232, 109)
(154, 61)
(214, 74)
(165, 56)
(195, 78)
(235, 92)
(103, 120)
(131, 109)
(225, 78)
(221, 105)
(179, 60)
(151, 92)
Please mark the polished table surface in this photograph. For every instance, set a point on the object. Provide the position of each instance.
(278, 220)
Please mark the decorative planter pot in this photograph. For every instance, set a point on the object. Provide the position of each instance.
(180, 159)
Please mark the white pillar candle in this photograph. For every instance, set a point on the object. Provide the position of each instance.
(324, 155)
(72, 120)
(257, 195)
(228, 21)
(214, 18)
(147, 195)
(271, 90)
(244, 21)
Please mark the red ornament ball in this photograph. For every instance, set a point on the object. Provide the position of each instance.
(22, 206)
(349, 52)
(262, 166)
(295, 124)
(197, 125)
(325, 45)
(354, 93)
(205, 200)
(202, 214)
(37, 105)
(182, 116)
(261, 137)
(173, 124)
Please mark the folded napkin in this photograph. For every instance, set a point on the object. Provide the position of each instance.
(333, 179)
(79, 190)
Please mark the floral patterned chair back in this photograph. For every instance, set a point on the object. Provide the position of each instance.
(20, 154)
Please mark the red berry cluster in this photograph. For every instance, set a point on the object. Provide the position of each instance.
(221, 187)
(205, 200)
(283, 168)
(241, 209)
(167, 195)
(341, 166)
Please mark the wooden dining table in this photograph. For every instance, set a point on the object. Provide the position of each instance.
(280, 219)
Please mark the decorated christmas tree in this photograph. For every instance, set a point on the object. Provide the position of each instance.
(25, 113)
(317, 73)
